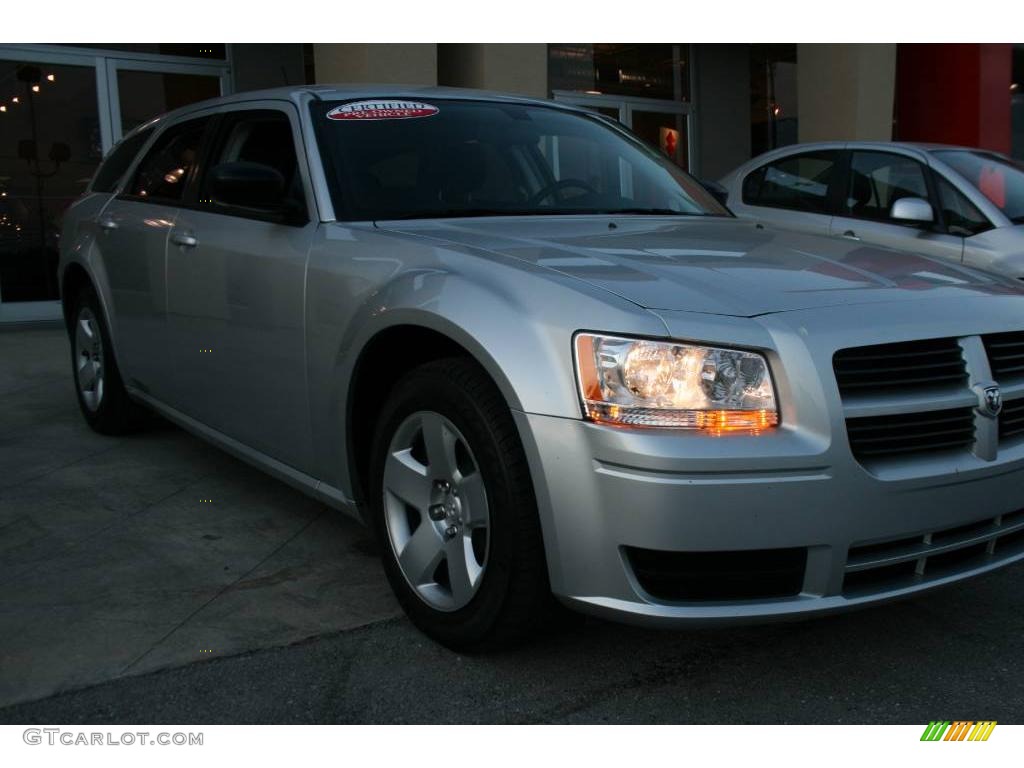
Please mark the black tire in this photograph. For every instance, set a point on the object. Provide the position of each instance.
(114, 413)
(513, 599)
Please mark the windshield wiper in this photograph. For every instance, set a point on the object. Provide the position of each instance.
(455, 213)
(650, 212)
(458, 213)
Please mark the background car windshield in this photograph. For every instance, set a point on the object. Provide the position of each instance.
(999, 179)
(489, 158)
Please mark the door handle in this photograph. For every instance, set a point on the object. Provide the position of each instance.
(107, 224)
(850, 235)
(184, 239)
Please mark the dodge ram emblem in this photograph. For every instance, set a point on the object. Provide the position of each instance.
(991, 401)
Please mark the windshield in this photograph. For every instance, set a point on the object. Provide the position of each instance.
(1000, 179)
(402, 159)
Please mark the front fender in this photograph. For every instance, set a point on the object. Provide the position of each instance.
(517, 320)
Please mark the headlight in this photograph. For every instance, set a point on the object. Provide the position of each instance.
(643, 383)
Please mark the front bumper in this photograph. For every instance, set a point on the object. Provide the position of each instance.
(603, 490)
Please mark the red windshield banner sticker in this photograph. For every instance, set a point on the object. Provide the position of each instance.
(382, 110)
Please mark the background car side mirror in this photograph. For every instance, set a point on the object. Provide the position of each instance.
(248, 185)
(912, 209)
(716, 190)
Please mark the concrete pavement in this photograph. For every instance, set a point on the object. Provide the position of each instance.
(122, 555)
(949, 656)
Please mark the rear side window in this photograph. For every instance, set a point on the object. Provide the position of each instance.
(117, 162)
(959, 214)
(879, 179)
(798, 182)
(165, 170)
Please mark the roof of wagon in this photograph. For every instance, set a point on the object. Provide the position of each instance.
(355, 91)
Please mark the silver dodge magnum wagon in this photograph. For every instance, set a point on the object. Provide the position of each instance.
(544, 364)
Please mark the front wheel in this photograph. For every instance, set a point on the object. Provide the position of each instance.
(454, 508)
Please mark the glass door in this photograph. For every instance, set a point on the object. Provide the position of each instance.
(50, 145)
(666, 130)
(661, 123)
(61, 109)
(147, 89)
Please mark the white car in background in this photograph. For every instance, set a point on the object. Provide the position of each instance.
(955, 203)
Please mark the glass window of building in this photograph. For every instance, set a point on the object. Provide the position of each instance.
(59, 114)
(773, 96)
(215, 51)
(50, 135)
(646, 87)
(143, 95)
(653, 71)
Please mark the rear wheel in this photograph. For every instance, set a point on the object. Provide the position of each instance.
(454, 508)
(101, 394)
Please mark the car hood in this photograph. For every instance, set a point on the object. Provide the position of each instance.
(713, 265)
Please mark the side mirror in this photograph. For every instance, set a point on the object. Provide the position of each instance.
(716, 190)
(248, 185)
(912, 209)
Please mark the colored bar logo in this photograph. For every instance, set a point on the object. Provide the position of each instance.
(959, 730)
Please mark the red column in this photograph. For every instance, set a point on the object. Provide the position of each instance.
(954, 94)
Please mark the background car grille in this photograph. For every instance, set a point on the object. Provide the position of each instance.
(1005, 355)
(907, 561)
(911, 432)
(927, 364)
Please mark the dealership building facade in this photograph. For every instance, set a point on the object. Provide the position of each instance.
(709, 107)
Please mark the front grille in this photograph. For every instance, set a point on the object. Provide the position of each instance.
(1011, 419)
(899, 398)
(911, 433)
(925, 557)
(908, 365)
(1005, 355)
(719, 576)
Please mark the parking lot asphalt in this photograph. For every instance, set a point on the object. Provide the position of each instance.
(122, 555)
(125, 597)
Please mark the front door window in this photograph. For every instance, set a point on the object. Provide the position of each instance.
(879, 179)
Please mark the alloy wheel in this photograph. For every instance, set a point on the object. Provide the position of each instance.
(436, 511)
(89, 359)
